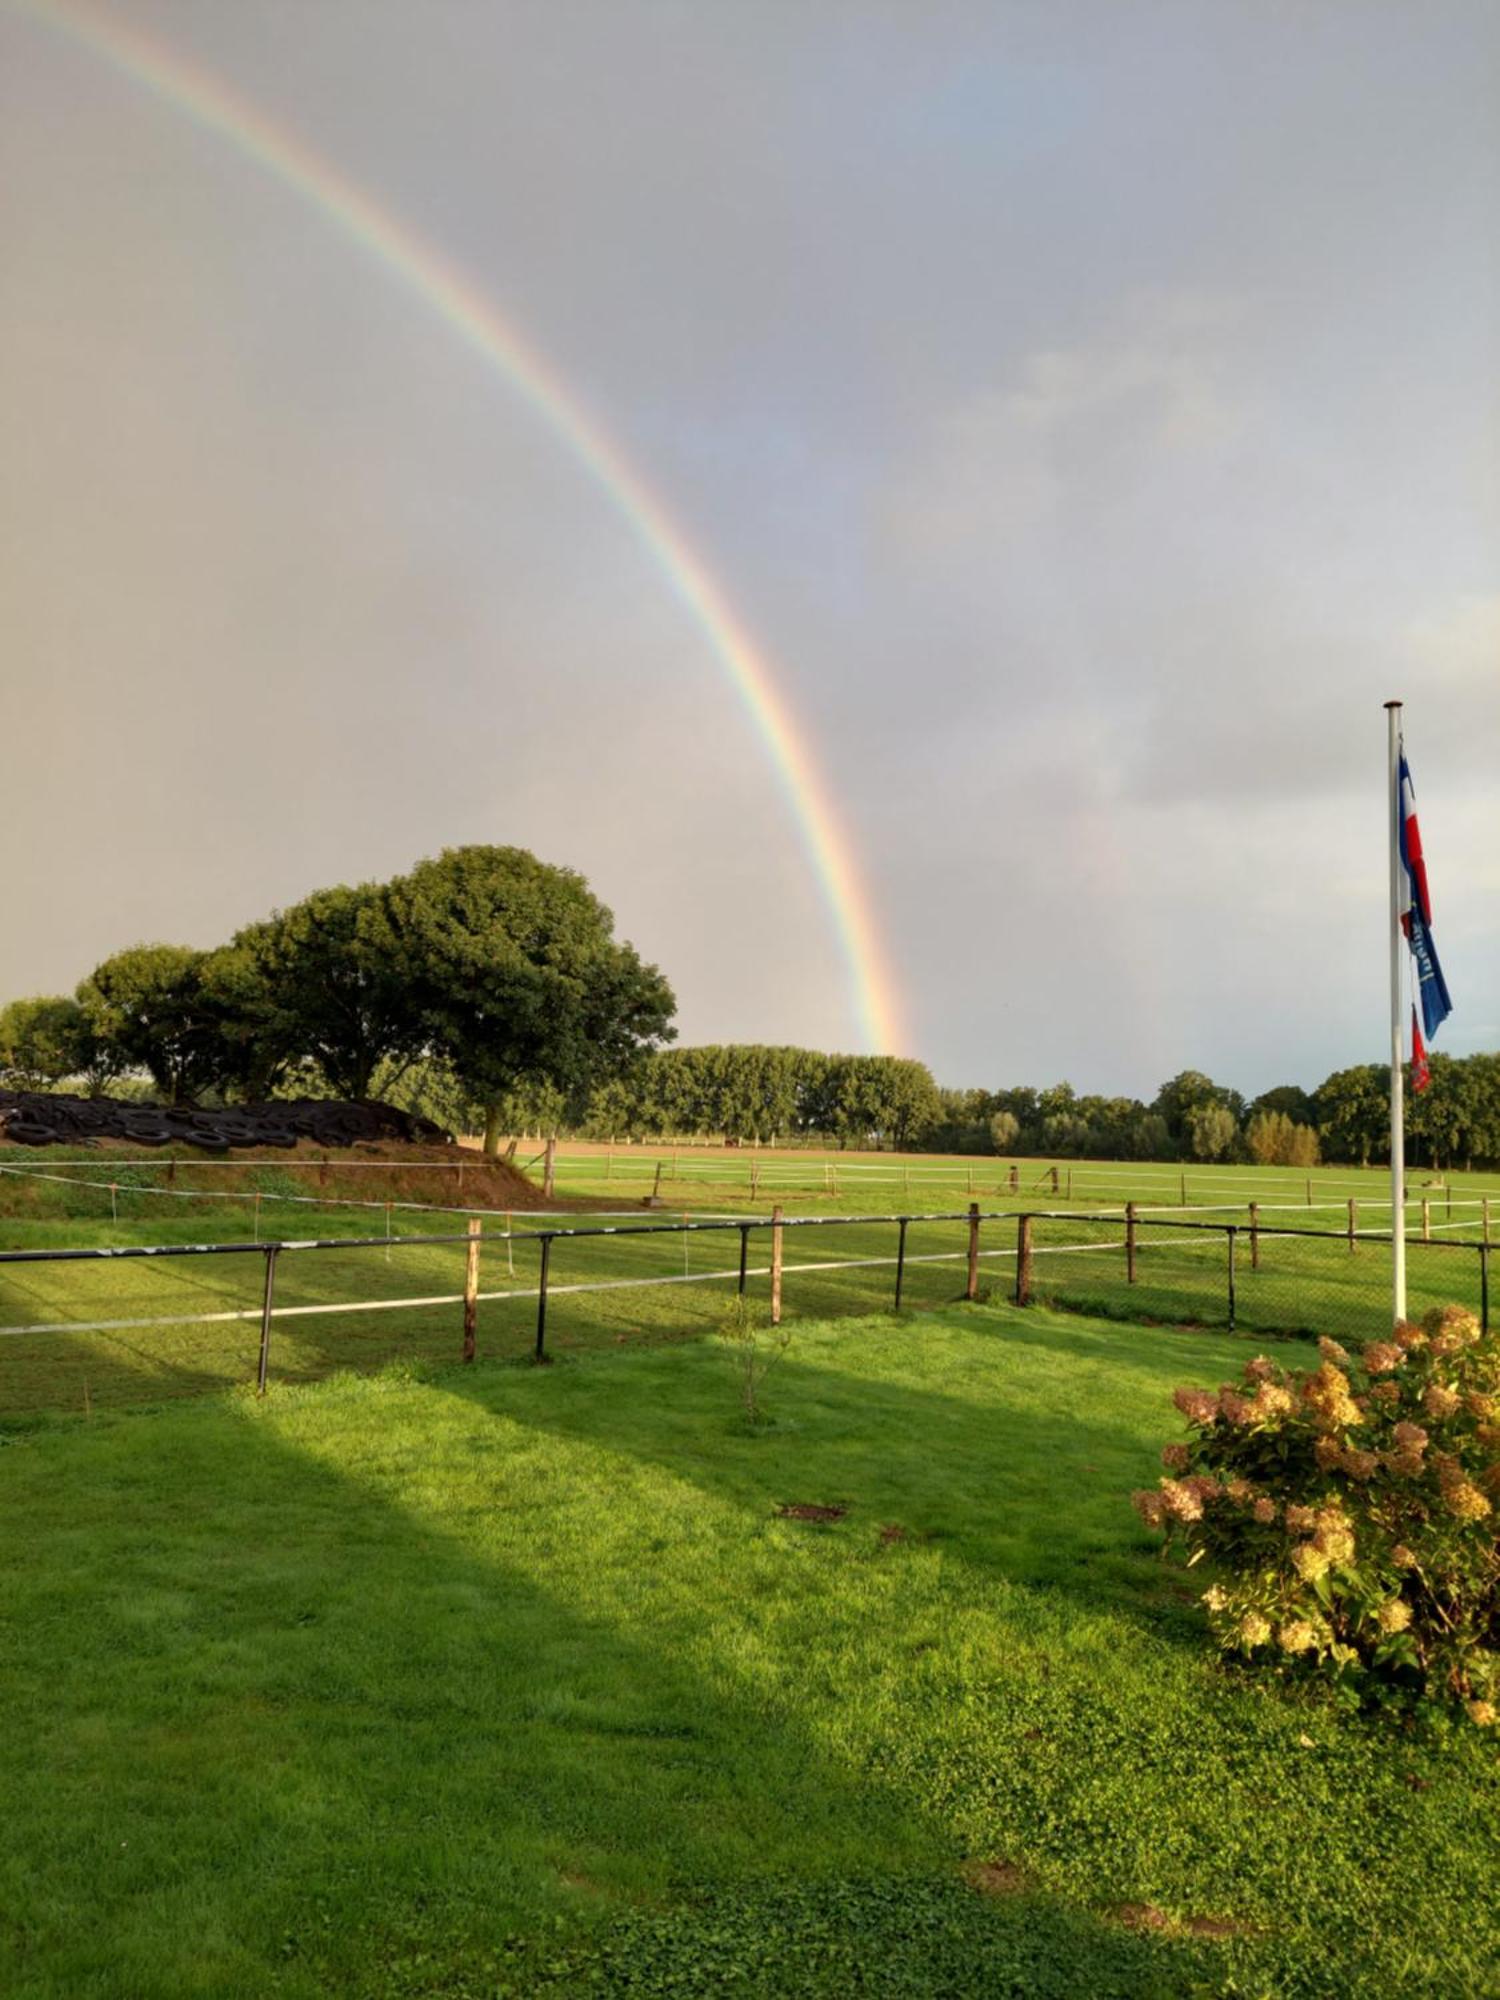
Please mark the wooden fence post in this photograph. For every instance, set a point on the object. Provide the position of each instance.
(1015, 1178)
(1426, 1220)
(1023, 1260)
(1485, 1206)
(1255, 1235)
(1182, 1190)
(549, 1170)
(776, 1265)
(471, 1287)
(1353, 1222)
(1130, 1242)
(972, 1289)
(171, 1169)
(1055, 1189)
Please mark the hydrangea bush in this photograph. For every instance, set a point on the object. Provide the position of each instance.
(1349, 1513)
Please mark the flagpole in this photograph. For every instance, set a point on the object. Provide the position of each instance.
(1398, 1138)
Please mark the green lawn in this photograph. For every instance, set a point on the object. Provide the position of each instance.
(506, 1681)
(1283, 1286)
(886, 1181)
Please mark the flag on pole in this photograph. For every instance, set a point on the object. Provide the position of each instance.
(1421, 1075)
(1416, 910)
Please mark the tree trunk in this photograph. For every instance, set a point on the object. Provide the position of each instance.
(492, 1131)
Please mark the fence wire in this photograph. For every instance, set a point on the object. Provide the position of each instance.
(86, 1327)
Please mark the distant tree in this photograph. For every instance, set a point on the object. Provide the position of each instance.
(1148, 1138)
(1186, 1093)
(1289, 1099)
(1005, 1129)
(148, 1009)
(515, 972)
(1275, 1140)
(1353, 1114)
(1443, 1117)
(1211, 1131)
(43, 1040)
(1021, 1103)
(880, 1101)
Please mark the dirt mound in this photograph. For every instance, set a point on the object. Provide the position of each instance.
(36, 1118)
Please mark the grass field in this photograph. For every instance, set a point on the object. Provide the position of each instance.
(495, 1681)
(1282, 1285)
(894, 1181)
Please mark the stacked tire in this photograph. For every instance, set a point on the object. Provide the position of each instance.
(37, 1118)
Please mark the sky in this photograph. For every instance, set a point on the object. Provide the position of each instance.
(1090, 410)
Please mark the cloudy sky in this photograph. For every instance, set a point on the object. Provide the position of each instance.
(1090, 411)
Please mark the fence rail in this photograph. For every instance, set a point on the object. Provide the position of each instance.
(1245, 1276)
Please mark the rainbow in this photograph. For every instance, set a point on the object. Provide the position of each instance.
(458, 303)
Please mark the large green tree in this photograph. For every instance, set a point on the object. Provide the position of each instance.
(1353, 1107)
(517, 976)
(319, 981)
(149, 1009)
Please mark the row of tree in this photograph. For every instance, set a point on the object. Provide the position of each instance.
(489, 968)
(487, 989)
(748, 1092)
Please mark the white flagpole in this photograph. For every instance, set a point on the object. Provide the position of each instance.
(1398, 1137)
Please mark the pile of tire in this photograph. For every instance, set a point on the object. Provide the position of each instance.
(35, 1118)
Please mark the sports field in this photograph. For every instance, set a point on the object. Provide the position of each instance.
(511, 1682)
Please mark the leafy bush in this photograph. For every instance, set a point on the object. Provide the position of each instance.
(1349, 1512)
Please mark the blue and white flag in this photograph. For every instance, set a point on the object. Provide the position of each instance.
(1416, 910)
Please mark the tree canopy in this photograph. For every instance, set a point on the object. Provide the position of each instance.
(514, 971)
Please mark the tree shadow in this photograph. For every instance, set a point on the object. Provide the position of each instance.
(289, 1704)
(1033, 1496)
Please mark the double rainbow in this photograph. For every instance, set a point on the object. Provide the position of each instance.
(465, 310)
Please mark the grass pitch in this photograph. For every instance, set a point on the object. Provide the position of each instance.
(505, 1682)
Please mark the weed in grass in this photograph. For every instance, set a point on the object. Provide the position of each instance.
(755, 1350)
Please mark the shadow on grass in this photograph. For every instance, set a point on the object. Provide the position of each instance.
(268, 1724)
(995, 1470)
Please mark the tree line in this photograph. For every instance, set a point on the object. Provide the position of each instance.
(751, 1093)
(486, 989)
(485, 968)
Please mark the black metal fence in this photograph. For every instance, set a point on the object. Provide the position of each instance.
(1243, 1277)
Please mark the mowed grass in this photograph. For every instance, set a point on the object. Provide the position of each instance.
(887, 1181)
(500, 1681)
(673, 1285)
(144, 1335)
